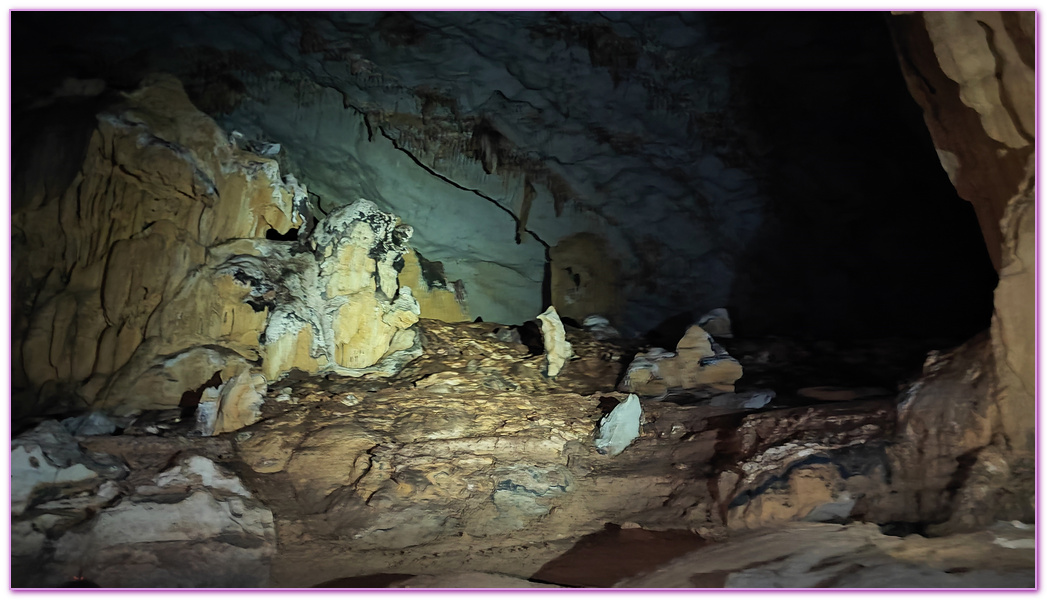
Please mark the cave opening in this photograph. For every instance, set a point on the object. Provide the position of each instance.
(584, 286)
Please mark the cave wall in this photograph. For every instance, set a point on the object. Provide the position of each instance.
(973, 73)
(687, 145)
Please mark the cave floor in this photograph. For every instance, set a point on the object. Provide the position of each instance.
(376, 482)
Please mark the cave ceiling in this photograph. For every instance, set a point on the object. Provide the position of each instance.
(772, 163)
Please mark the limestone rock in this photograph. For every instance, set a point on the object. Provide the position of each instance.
(813, 493)
(717, 323)
(1014, 318)
(48, 462)
(698, 362)
(166, 277)
(470, 580)
(620, 427)
(437, 298)
(233, 405)
(557, 348)
(949, 464)
(93, 423)
(584, 277)
(743, 400)
(984, 131)
(221, 535)
(806, 555)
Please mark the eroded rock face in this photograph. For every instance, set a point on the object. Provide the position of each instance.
(982, 127)
(165, 277)
(973, 74)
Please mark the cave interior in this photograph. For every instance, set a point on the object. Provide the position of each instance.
(521, 299)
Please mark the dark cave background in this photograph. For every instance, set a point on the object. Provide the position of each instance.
(862, 235)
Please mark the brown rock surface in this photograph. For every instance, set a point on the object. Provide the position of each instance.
(694, 365)
(973, 74)
(165, 277)
(949, 464)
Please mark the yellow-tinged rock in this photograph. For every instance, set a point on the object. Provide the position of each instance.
(434, 302)
(154, 272)
(695, 364)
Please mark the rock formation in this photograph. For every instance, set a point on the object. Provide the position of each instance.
(557, 348)
(972, 73)
(167, 278)
(697, 363)
(259, 385)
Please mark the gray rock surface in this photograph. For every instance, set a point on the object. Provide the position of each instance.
(48, 462)
(93, 423)
(743, 400)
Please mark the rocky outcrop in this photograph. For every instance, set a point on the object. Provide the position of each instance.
(47, 463)
(950, 465)
(973, 74)
(698, 363)
(161, 276)
(191, 526)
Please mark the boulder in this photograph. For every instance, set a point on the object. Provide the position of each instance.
(697, 363)
(93, 423)
(949, 463)
(600, 327)
(47, 462)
